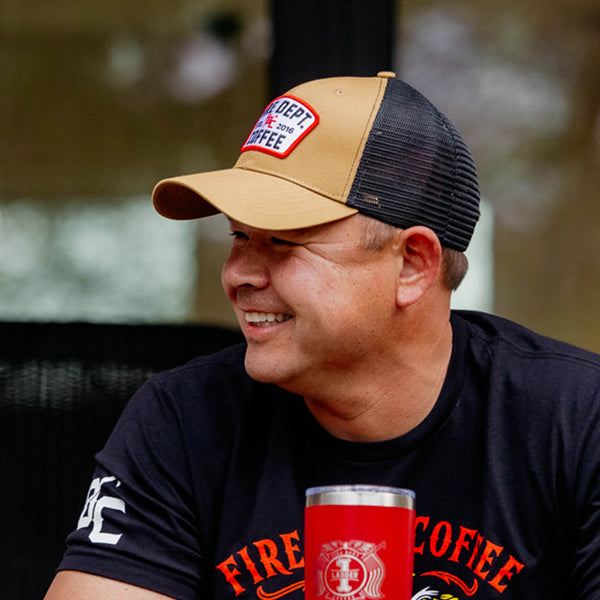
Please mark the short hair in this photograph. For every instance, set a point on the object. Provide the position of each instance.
(455, 265)
(376, 234)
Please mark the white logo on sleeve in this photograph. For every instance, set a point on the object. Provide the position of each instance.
(95, 504)
(282, 126)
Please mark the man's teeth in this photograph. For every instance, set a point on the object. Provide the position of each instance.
(262, 319)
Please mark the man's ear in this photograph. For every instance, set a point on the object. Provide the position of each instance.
(421, 254)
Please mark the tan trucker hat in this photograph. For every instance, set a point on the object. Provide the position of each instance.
(332, 147)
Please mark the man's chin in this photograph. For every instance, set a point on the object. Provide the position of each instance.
(266, 369)
(262, 374)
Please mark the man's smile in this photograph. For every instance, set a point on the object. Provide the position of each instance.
(262, 319)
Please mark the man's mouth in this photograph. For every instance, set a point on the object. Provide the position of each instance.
(260, 319)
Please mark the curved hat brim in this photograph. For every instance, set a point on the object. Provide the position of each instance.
(256, 199)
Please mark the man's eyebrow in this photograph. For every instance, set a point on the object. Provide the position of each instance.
(300, 232)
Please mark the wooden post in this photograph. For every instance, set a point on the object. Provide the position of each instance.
(323, 38)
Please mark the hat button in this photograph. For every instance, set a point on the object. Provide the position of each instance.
(386, 74)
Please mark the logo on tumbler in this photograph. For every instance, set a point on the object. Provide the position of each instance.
(349, 571)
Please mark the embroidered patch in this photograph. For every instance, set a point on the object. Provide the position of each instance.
(282, 126)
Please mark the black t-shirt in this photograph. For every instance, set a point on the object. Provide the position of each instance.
(199, 492)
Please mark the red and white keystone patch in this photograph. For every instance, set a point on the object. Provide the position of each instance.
(282, 126)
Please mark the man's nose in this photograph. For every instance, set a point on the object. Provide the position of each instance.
(245, 266)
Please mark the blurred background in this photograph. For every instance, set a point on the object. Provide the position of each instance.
(100, 100)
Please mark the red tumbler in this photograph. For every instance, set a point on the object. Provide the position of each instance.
(359, 543)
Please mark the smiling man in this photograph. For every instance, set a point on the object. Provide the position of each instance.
(350, 208)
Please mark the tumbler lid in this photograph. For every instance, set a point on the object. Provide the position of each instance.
(360, 495)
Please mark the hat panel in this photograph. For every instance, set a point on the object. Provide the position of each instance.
(326, 159)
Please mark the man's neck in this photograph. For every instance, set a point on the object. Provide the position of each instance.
(385, 403)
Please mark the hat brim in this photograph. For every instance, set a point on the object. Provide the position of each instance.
(249, 197)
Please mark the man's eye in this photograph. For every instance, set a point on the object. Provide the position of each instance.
(280, 242)
(238, 235)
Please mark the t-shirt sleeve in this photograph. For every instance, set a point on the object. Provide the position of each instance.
(139, 523)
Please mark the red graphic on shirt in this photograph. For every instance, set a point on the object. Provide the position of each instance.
(449, 578)
(265, 559)
(274, 568)
(279, 594)
(467, 548)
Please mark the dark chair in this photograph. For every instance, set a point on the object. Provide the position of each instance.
(62, 387)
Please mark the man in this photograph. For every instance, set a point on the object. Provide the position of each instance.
(350, 208)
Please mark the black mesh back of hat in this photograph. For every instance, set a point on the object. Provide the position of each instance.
(416, 169)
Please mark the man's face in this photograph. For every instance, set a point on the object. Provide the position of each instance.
(313, 304)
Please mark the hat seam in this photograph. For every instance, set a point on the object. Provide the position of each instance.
(454, 175)
(363, 140)
(285, 177)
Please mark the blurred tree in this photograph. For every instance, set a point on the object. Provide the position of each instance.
(549, 275)
(541, 175)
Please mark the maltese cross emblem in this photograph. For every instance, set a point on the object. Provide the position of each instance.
(349, 571)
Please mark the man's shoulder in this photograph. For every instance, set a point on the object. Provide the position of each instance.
(214, 389)
(222, 373)
(495, 331)
(541, 364)
(220, 377)
(229, 360)
(530, 375)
